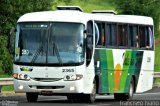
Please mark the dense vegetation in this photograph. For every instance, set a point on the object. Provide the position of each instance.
(11, 10)
(141, 7)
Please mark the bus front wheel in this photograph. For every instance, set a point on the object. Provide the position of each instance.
(32, 97)
(91, 97)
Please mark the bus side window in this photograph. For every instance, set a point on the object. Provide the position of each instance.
(122, 35)
(111, 34)
(150, 37)
(147, 37)
(100, 38)
(108, 31)
(133, 36)
(142, 36)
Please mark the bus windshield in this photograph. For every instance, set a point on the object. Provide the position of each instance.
(49, 43)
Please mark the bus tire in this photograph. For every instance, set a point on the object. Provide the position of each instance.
(71, 97)
(118, 96)
(90, 98)
(32, 97)
(129, 95)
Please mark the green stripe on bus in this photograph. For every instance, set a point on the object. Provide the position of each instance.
(135, 67)
(110, 70)
(125, 70)
(131, 70)
(103, 65)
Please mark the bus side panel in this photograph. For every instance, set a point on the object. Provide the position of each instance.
(116, 68)
(126, 73)
(132, 61)
(145, 81)
(134, 68)
(105, 71)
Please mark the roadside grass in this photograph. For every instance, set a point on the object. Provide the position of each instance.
(157, 61)
(8, 87)
(157, 56)
(157, 82)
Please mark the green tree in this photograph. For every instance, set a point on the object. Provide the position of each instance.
(141, 7)
(5, 58)
(10, 11)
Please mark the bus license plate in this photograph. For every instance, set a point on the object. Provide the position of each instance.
(46, 92)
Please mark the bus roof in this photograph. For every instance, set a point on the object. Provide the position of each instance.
(55, 16)
(81, 17)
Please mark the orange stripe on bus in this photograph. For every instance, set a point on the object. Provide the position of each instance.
(117, 75)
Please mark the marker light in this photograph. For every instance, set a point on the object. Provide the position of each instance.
(72, 88)
(21, 76)
(15, 75)
(73, 77)
(79, 76)
(21, 87)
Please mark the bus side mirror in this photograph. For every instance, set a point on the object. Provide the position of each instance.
(10, 43)
(89, 33)
(89, 42)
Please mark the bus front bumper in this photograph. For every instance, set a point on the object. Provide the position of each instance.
(57, 87)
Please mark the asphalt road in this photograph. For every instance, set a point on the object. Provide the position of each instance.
(151, 98)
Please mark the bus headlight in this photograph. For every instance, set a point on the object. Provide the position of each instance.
(21, 76)
(73, 77)
(79, 76)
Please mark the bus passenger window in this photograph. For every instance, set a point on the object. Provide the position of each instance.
(111, 34)
(142, 36)
(122, 35)
(137, 41)
(147, 38)
(96, 33)
(133, 36)
(100, 34)
(108, 34)
(150, 39)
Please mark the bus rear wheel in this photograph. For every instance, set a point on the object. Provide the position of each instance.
(32, 97)
(126, 96)
(131, 90)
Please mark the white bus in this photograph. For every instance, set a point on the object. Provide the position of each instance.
(76, 54)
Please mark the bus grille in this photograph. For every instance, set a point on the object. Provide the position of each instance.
(47, 87)
(46, 79)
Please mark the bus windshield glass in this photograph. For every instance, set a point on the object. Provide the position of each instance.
(49, 43)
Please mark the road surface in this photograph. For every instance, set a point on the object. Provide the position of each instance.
(151, 98)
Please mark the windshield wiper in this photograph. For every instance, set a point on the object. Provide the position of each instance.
(55, 48)
(38, 51)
